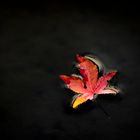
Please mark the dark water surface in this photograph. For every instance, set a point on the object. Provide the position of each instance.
(38, 45)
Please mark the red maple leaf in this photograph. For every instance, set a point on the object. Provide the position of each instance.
(89, 84)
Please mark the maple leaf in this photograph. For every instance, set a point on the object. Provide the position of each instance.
(89, 84)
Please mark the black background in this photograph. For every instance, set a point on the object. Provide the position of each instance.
(39, 42)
